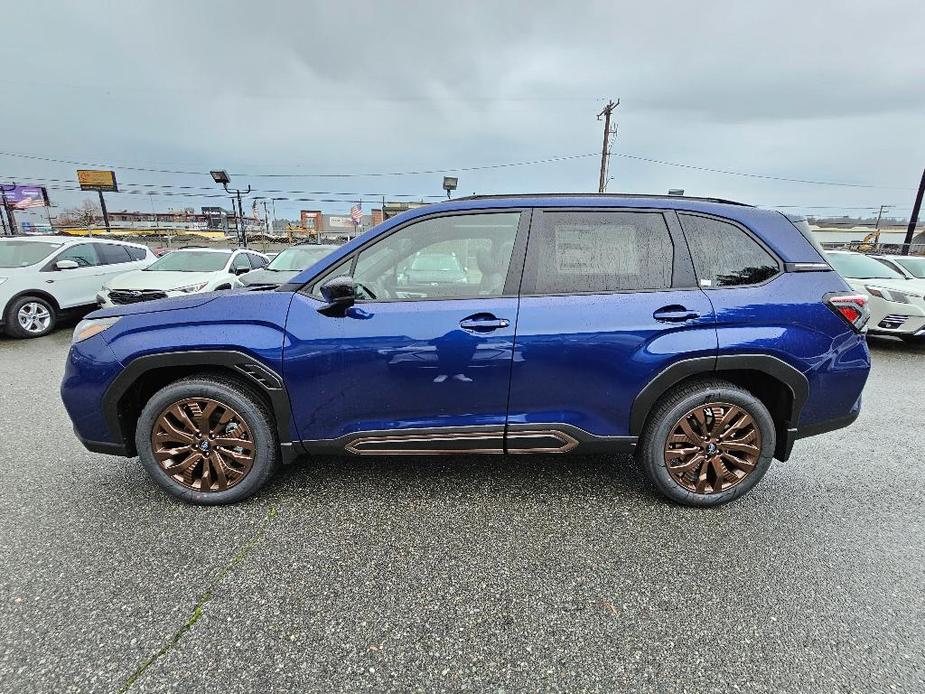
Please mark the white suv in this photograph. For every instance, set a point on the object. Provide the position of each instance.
(184, 271)
(42, 277)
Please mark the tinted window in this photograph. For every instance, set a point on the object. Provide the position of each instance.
(449, 257)
(724, 255)
(136, 253)
(84, 254)
(575, 252)
(257, 261)
(112, 253)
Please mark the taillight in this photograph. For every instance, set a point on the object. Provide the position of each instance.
(851, 307)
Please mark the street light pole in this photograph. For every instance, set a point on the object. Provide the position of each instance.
(221, 176)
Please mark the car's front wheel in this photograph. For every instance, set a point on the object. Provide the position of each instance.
(29, 316)
(707, 443)
(207, 440)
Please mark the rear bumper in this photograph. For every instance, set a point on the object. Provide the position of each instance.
(106, 447)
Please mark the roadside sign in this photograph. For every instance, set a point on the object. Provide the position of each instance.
(102, 181)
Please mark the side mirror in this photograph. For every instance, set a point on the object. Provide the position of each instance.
(240, 270)
(66, 265)
(340, 293)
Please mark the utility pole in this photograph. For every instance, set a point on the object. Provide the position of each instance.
(605, 148)
(913, 220)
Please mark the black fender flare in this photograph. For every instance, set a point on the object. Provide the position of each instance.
(257, 374)
(680, 370)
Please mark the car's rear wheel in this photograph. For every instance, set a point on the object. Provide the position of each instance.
(29, 316)
(707, 443)
(207, 440)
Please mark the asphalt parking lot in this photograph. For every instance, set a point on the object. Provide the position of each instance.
(521, 574)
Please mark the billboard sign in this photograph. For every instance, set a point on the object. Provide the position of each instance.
(215, 217)
(104, 181)
(24, 197)
(336, 222)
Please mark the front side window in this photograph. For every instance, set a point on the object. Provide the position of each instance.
(724, 255)
(914, 266)
(84, 254)
(589, 252)
(450, 257)
(241, 263)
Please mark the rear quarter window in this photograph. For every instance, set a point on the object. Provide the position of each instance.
(725, 255)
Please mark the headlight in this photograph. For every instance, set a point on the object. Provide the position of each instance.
(893, 295)
(89, 327)
(190, 288)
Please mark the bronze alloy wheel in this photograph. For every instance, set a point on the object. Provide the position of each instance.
(712, 448)
(203, 444)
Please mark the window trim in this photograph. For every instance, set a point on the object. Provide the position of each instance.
(781, 268)
(511, 281)
(681, 263)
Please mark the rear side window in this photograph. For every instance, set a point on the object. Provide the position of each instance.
(112, 253)
(136, 253)
(257, 261)
(724, 255)
(589, 252)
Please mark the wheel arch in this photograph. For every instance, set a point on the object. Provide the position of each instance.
(143, 376)
(41, 293)
(779, 386)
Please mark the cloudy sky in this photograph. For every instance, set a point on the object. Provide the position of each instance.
(280, 92)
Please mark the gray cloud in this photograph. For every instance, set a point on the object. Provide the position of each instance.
(828, 91)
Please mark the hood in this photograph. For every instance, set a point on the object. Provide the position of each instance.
(164, 280)
(169, 304)
(264, 277)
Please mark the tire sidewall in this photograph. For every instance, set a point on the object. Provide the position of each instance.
(675, 408)
(266, 454)
(14, 329)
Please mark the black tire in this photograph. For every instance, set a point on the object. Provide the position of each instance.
(665, 416)
(13, 328)
(240, 398)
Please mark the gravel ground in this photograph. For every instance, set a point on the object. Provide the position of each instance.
(521, 574)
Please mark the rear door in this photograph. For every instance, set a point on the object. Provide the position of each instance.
(608, 300)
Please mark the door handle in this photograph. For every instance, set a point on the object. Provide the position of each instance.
(483, 323)
(674, 314)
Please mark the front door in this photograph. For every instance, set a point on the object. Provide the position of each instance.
(609, 299)
(77, 286)
(421, 364)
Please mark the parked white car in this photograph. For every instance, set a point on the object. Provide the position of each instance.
(896, 302)
(42, 277)
(184, 271)
(910, 266)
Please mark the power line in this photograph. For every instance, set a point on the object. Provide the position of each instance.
(177, 172)
(755, 175)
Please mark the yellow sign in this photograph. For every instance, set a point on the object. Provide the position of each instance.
(97, 180)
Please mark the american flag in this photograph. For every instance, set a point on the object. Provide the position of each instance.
(356, 213)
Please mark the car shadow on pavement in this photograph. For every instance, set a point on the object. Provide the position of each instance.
(894, 344)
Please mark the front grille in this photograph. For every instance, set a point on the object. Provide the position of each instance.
(134, 296)
(893, 321)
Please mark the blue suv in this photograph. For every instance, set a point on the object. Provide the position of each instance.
(704, 335)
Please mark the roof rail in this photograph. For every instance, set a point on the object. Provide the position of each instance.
(602, 195)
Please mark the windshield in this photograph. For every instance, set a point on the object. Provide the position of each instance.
(298, 258)
(190, 261)
(915, 266)
(861, 267)
(24, 253)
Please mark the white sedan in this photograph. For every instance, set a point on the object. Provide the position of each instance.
(184, 271)
(897, 302)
